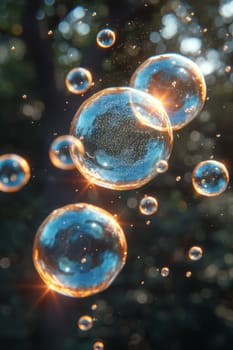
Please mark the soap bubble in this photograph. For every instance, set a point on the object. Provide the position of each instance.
(177, 82)
(148, 205)
(79, 249)
(210, 178)
(195, 253)
(14, 172)
(59, 152)
(164, 271)
(85, 323)
(98, 345)
(78, 80)
(106, 38)
(122, 133)
(161, 166)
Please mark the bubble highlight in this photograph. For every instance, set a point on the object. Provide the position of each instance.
(177, 82)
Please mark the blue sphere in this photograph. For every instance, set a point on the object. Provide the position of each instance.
(210, 178)
(14, 172)
(79, 249)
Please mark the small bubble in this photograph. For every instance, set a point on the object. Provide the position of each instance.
(94, 307)
(50, 32)
(13, 48)
(178, 178)
(59, 152)
(210, 178)
(164, 271)
(188, 274)
(195, 253)
(161, 166)
(78, 80)
(98, 345)
(148, 205)
(228, 69)
(85, 323)
(106, 38)
(148, 222)
(24, 96)
(14, 172)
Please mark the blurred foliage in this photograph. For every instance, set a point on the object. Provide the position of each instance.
(141, 310)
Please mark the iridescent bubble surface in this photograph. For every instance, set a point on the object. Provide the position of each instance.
(59, 152)
(78, 80)
(161, 166)
(164, 271)
(98, 345)
(210, 178)
(106, 38)
(148, 205)
(14, 172)
(122, 133)
(85, 323)
(195, 253)
(177, 82)
(79, 249)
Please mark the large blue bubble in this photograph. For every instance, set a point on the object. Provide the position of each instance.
(123, 133)
(79, 249)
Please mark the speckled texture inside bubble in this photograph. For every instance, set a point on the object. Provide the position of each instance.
(124, 133)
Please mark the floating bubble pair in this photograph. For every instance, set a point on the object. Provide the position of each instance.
(79, 79)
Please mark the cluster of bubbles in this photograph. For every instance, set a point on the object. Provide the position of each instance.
(14, 172)
(79, 249)
(120, 138)
(125, 134)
